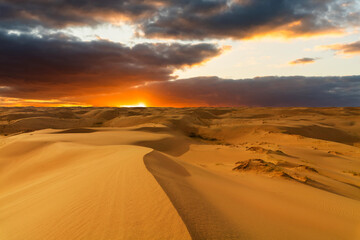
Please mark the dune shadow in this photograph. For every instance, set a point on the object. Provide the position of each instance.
(160, 164)
(152, 129)
(76, 130)
(174, 146)
(202, 220)
(327, 188)
(322, 133)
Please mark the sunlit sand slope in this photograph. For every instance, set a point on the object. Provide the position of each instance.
(67, 190)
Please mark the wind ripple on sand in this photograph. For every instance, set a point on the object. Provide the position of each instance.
(84, 192)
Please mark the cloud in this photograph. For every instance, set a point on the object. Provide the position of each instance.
(262, 91)
(53, 66)
(239, 19)
(61, 13)
(303, 61)
(350, 48)
(18, 102)
(187, 19)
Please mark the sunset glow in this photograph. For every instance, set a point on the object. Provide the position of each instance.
(128, 53)
(141, 105)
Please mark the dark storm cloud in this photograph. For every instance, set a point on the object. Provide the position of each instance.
(54, 66)
(350, 48)
(303, 61)
(248, 18)
(188, 19)
(262, 91)
(22, 14)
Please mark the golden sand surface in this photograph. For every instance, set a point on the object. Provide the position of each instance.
(191, 173)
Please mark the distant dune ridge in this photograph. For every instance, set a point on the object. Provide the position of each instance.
(190, 173)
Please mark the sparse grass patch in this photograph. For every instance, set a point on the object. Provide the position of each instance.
(195, 135)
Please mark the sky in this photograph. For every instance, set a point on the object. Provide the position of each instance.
(180, 53)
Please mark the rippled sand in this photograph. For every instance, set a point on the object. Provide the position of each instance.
(192, 173)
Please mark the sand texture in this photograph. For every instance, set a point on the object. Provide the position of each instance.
(192, 173)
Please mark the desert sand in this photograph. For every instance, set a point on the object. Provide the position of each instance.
(191, 173)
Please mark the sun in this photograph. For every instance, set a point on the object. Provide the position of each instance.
(143, 105)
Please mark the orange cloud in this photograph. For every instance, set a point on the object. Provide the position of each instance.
(19, 102)
(350, 48)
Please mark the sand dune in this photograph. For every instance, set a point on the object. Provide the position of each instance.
(66, 190)
(163, 173)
